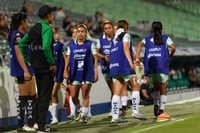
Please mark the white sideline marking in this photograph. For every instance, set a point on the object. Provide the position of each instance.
(184, 101)
(160, 125)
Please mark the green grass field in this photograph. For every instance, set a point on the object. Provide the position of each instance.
(185, 118)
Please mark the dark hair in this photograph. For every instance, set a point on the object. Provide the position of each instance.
(124, 25)
(157, 31)
(16, 20)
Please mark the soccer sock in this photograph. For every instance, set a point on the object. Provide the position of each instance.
(163, 99)
(124, 100)
(115, 106)
(135, 101)
(77, 108)
(156, 96)
(89, 111)
(30, 110)
(72, 106)
(50, 109)
(84, 111)
(120, 103)
(54, 110)
(21, 106)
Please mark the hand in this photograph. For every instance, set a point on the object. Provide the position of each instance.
(137, 62)
(66, 76)
(96, 76)
(132, 67)
(52, 68)
(107, 59)
(27, 76)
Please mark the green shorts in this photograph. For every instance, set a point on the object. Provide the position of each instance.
(81, 82)
(106, 76)
(159, 77)
(124, 77)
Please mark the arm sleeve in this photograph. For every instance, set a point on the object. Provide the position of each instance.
(169, 41)
(127, 38)
(143, 40)
(98, 44)
(68, 51)
(47, 40)
(17, 39)
(93, 49)
(23, 44)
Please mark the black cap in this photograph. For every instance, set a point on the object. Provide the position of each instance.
(45, 10)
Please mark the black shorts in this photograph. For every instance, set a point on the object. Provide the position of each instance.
(21, 80)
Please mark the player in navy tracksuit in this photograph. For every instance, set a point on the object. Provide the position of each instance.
(82, 63)
(122, 70)
(22, 72)
(156, 63)
(59, 56)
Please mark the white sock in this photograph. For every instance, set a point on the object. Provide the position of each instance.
(115, 106)
(84, 111)
(156, 96)
(89, 111)
(135, 101)
(120, 103)
(163, 100)
(72, 106)
(124, 100)
(50, 108)
(54, 110)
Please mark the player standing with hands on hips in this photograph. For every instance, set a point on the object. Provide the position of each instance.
(40, 39)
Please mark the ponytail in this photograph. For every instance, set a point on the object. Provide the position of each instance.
(157, 31)
(16, 20)
(123, 24)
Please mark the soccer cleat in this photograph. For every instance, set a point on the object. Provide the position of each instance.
(156, 110)
(78, 117)
(118, 120)
(46, 129)
(83, 119)
(54, 121)
(35, 126)
(71, 117)
(122, 112)
(26, 128)
(163, 117)
(139, 116)
(160, 112)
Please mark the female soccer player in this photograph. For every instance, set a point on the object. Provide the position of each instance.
(103, 51)
(82, 63)
(156, 63)
(22, 72)
(122, 70)
(59, 57)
